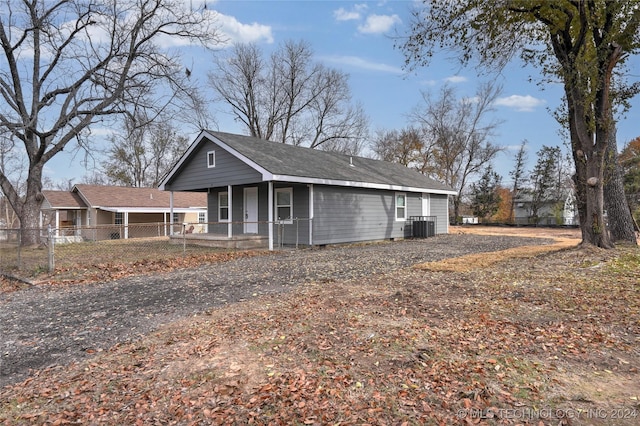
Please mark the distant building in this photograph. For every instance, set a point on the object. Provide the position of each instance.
(550, 212)
(112, 211)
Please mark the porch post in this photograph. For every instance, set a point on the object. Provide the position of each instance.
(57, 223)
(126, 225)
(78, 225)
(164, 223)
(230, 218)
(270, 218)
(170, 212)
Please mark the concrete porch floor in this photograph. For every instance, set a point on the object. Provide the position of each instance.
(246, 241)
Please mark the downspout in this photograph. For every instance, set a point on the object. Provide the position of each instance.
(270, 218)
(310, 214)
(230, 218)
(447, 216)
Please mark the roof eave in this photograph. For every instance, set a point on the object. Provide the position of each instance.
(371, 185)
(153, 209)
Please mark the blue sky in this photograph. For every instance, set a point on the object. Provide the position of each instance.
(356, 38)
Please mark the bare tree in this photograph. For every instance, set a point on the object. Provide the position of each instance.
(237, 80)
(459, 131)
(67, 65)
(143, 152)
(403, 147)
(289, 98)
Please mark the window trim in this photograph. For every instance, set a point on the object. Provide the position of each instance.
(396, 206)
(290, 205)
(211, 155)
(220, 207)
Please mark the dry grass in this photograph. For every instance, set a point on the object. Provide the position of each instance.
(563, 238)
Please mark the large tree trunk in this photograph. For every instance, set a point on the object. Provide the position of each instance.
(589, 180)
(619, 216)
(456, 209)
(29, 212)
(595, 228)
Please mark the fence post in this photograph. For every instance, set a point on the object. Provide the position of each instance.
(52, 260)
(19, 249)
(184, 239)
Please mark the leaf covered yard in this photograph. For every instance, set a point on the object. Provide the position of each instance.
(550, 338)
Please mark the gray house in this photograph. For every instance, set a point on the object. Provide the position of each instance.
(296, 195)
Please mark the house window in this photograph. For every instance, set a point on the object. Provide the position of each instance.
(176, 217)
(223, 206)
(401, 206)
(202, 217)
(119, 218)
(211, 159)
(284, 204)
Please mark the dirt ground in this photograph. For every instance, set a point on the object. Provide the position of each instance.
(519, 331)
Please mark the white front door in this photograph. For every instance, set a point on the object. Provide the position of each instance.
(251, 210)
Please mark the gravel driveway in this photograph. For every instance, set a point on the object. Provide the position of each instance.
(45, 326)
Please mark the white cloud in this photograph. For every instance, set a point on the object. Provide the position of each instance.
(379, 24)
(358, 62)
(344, 15)
(455, 79)
(354, 14)
(235, 31)
(520, 103)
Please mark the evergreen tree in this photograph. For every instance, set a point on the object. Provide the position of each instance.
(485, 198)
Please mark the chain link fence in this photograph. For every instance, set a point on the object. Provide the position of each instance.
(86, 247)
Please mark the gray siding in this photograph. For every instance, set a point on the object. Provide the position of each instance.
(298, 231)
(194, 173)
(351, 214)
(440, 208)
(341, 214)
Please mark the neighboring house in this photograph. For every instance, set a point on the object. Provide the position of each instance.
(469, 219)
(550, 212)
(103, 212)
(293, 195)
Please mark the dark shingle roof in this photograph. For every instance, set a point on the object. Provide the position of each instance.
(282, 159)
